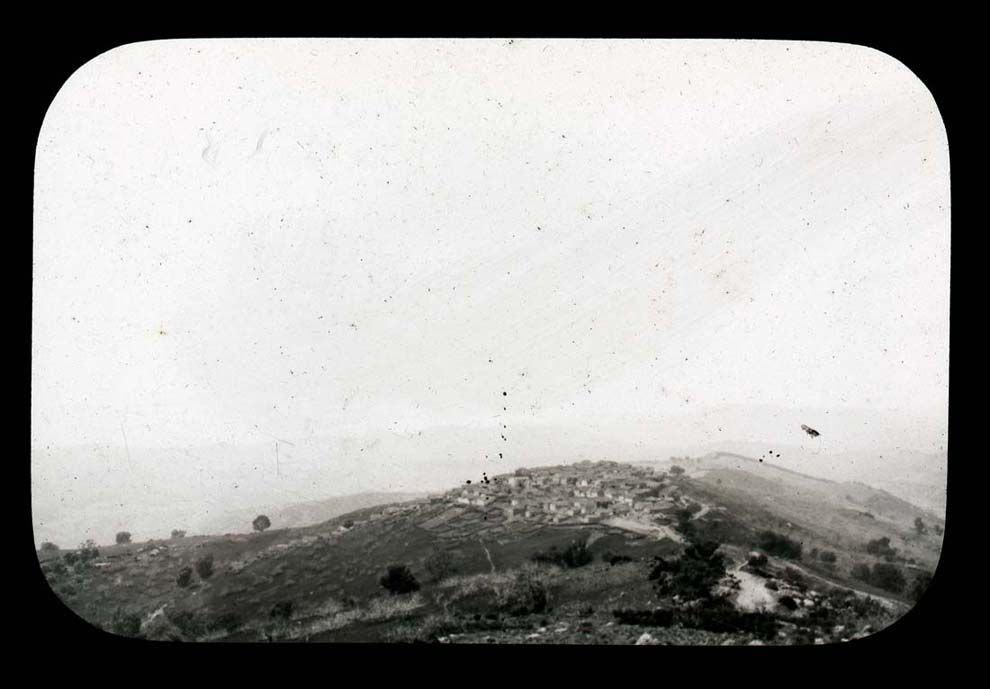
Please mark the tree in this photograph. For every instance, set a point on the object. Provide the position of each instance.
(693, 574)
(881, 547)
(48, 546)
(937, 529)
(185, 577)
(178, 533)
(827, 556)
(919, 526)
(399, 579)
(125, 623)
(88, 550)
(888, 577)
(779, 545)
(204, 567)
(676, 470)
(123, 537)
(261, 522)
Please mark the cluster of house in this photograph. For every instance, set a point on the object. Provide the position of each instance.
(583, 492)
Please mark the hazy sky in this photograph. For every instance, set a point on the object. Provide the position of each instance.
(242, 239)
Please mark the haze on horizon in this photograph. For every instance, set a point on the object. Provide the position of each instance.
(569, 243)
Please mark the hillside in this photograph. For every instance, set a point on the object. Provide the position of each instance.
(472, 551)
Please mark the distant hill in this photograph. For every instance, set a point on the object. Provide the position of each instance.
(301, 513)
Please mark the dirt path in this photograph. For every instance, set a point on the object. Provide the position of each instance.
(655, 530)
(488, 555)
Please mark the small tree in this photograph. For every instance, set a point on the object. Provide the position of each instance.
(937, 529)
(185, 577)
(178, 533)
(827, 556)
(88, 550)
(123, 537)
(888, 577)
(261, 522)
(399, 579)
(881, 547)
(204, 567)
(48, 546)
(676, 470)
(919, 526)
(779, 545)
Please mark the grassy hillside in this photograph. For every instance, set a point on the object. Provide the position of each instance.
(321, 582)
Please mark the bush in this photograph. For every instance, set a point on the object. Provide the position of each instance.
(882, 548)
(204, 567)
(88, 551)
(693, 574)
(70, 558)
(261, 522)
(188, 623)
(574, 555)
(349, 523)
(48, 546)
(185, 577)
(228, 622)
(794, 577)
(827, 556)
(399, 579)
(125, 624)
(613, 559)
(528, 593)
(919, 526)
(123, 537)
(676, 470)
(178, 533)
(439, 564)
(779, 545)
(281, 610)
(861, 571)
(888, 577)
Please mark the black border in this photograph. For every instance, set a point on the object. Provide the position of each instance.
(927, 635)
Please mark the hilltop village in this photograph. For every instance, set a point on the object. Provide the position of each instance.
(582, 493)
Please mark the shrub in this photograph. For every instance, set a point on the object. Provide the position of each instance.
(439, 564)
(693, 574)
(123, 537)
(613, 559)
(937, 529)
(187, 622)
(888, 577)
(676, 470)
(125, 624)
(228, 622)
(48, 546)
(882, 548)
(779, 545)
(178, 533)
(70, 558)
(827, 556)
(88, 550)
(527, 593)
(574, 555)
(861, 571)
(793, 576)
(204, 566)
(185, 577)
(281, 610)
(919, 526)
(261, 522)
(349, 523)
(399, 579)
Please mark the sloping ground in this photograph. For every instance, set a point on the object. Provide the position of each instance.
(325, 577)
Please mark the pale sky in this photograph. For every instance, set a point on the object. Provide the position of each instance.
(238, 239)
